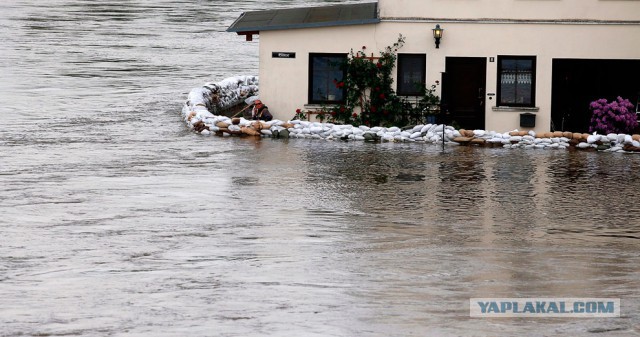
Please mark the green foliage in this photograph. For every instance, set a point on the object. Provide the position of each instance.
(428, 105)
(370, 97)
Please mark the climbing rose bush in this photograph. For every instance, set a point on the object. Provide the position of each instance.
(615, 117)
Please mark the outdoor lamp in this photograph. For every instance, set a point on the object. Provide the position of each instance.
(437, 34)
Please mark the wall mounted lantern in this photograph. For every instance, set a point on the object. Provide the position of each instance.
(437, 34)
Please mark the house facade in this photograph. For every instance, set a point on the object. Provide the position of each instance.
(500, 64)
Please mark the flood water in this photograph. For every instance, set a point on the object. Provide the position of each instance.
(116, 220)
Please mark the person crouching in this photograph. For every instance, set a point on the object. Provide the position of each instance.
(260, 112)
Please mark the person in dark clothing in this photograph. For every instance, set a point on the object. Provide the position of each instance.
(260, 112)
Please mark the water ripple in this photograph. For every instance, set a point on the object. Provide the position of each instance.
(117, 220)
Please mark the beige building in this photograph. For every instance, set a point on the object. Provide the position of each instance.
(500, 64)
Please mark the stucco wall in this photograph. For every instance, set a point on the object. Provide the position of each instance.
(284, 82)
(513, 9)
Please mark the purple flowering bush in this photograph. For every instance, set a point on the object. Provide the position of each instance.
(615, 117)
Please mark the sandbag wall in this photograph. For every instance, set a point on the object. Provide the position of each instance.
(199, 114)
(220, 96)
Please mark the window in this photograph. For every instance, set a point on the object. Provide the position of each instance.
(412, 74)
(324, 75)
(517, 81)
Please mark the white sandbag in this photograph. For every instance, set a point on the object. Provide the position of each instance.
(315, 129)
(593, 138)
(583, 145)
(515, 139)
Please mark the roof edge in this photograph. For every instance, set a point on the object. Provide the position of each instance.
(305, 25)
(376, 19)
(236, 21)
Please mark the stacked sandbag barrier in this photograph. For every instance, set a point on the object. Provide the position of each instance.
(206, 124)
(551, 140)
(220, 96)
(198, 113)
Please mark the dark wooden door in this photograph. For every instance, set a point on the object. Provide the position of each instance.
(464, 91)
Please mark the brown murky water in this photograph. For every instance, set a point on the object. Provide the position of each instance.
(116, 220)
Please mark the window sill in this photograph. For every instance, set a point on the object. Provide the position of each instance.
(313, 106)
(318, 106)
(516, 108)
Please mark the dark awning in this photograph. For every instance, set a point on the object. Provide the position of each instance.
(292, 18)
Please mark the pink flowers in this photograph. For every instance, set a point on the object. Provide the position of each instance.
(615, 117)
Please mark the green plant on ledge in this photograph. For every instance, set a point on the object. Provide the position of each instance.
(324, 113)
(427, 107)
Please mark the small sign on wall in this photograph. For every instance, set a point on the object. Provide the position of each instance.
(283, 55)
